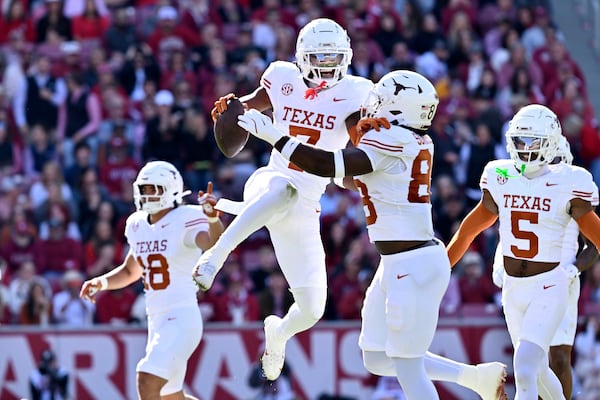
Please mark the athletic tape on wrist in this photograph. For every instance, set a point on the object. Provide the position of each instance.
(103, 283)
(340, 167)
(212, 220)
(289, 147)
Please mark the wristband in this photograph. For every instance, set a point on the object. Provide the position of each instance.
(339, 166)
(103, 282)
(212, 220)
(289, 147)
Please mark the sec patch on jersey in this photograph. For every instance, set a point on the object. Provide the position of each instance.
(230, 138)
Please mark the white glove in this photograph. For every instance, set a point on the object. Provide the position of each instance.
(498, 275)
(259, 125)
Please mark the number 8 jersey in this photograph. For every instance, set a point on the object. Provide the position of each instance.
(534, 213)
(396, 195)
(166, 252)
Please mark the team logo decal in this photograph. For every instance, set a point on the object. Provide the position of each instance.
(287, 89)
(501, 179)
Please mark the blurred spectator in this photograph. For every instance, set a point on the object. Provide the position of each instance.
(22, 245)
(350, 302)
(5, 299)
(88, 23)
(168, 35)
(39, 151)
(237, 304)
(474, 156)
(427, 36)
(11, 158)
(37, 307)
(79, 117)
(51, 175)
(120, 168)
(163, 132)
(39, 97)
(48, 380)
(200, 154)
(400, 57)
(590, 290)
(67, 307)
(140, 66)
(121, 34)
(82, 161)
(475, 285)
(16, 21)
(102, 251)
(53, 26)
(263, 265)
(19, 286)
(61, 253)
(534, 36)
(114, 306)
(275, 298)
(55, 209)
(587, 365)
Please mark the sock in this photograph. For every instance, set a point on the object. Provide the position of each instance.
(444, 369)
(528, 360)
(413, 378)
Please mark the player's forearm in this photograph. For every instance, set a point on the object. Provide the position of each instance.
(310, 159)
(123, 275)
(215, 230)
(587, 257)
(589, 225)
(478, 220)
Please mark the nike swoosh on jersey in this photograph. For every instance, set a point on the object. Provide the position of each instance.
(551, 184)
(548, 286)
(401, 276)
(335, 99)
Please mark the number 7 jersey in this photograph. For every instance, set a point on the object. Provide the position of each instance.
(320, 121)
(396, 195)
(534, 213)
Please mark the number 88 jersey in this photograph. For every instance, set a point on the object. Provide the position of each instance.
(396, 195)
(534, 213)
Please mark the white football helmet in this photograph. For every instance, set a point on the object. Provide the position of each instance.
(405, 98)
(533, 137)
(168, 186)
(564, 151)
(323, 51)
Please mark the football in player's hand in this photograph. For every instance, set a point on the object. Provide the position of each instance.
(230, 138)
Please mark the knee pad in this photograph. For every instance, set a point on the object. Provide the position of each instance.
(311, 301)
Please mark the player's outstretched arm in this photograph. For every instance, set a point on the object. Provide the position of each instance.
(208, 200)
(123, 275)
(479, 219)
(346, 162)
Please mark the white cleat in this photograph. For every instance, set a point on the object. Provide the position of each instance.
(205, 271)
(490, 381)
(274, 355)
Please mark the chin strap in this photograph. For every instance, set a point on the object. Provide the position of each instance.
(312, 93)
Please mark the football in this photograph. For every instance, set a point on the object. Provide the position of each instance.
(230, 138)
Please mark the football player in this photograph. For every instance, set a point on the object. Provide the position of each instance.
(562, 343)
(534, 203)
(165, 240)
(391, 166)
(315, 101)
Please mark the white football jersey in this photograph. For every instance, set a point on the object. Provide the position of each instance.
(396, 195)
(167, 262)
(319, 122)
(533, 213)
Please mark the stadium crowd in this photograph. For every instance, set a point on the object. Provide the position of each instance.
(91, 90)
